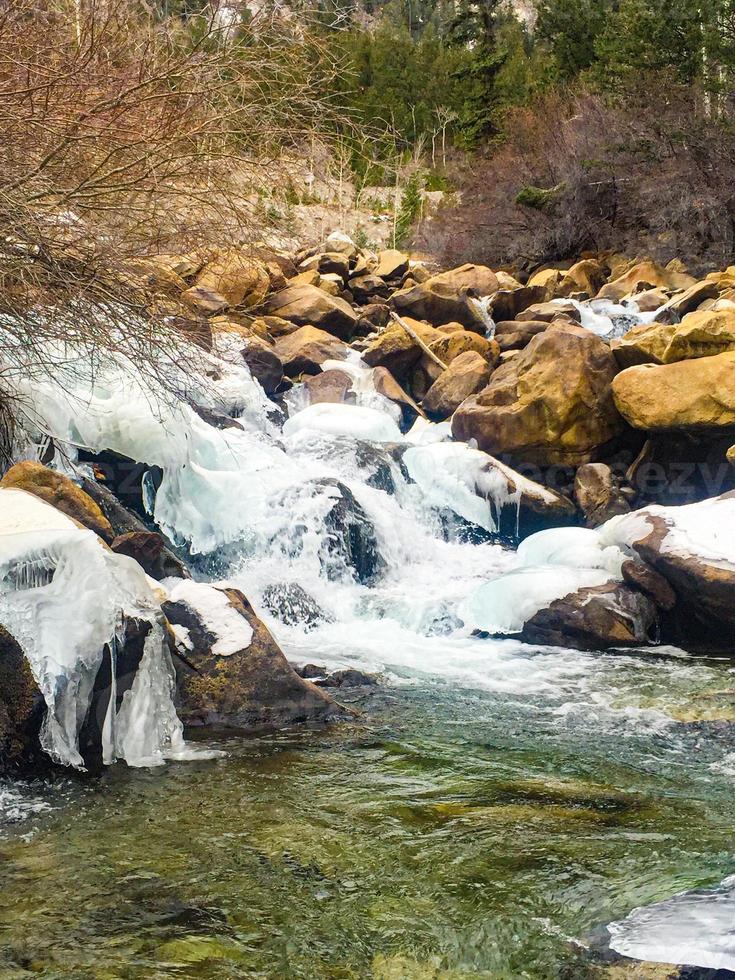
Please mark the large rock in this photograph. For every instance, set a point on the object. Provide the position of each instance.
(586, 276)
(149, 549)
(264, 364)
(700, 334)
(549, 280)
(551, 403)
(468, 373)
(597, 495)
(59, 491)
(332, 386)
(447, 348)
(694, 394)
(240, 277)
(385, 384)
(311, 306)
(642, 276)
(21, 710)
(444, 298)
(517, 334)
(230, 670)
(479, 278)
(506, 304)
(392, 264)
(396, 350)
(690, 299)
(693, 548)
(306, 349)
(595, 618)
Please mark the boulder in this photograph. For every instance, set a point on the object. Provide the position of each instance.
(447, 348)
(125, 522)
(700, 334)
(690, 299)
(396, 350)
(550, 311)
(549, 280)
(305, 350)
(468, 373)
(643, 276)
(651, 300)
(336, 263)
(264, 364)
(59, 491)
(587, 276)
(550, 404)
(149, 549)
(238, 276)
(392, 264)
(506, 304)
(595, 618)
(507, 281)
(294, 606)
(338, 241)
(311, 306)
(385, 384)
(330, 386)
(442, 298)
(481, 280)
(517, 334)
(230, 670)
(693, 548)
(693, 394)
(597, 495)
(367, 288)
(204, 301)
(522, 505)
(21, 710)
(641, 576)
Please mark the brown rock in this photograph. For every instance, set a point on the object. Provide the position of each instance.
(550, 404)
(392, 264)
(689, 299)
(447, 348)
(365, 288)
(386, 385)
(587, 276)
(443, 298)
(641, 576)
(517, 334)
(644, 276)
(396, 350)
(334, 262)
(597, 618)
(238, 276)
(549, 312)
(330, 386)
(305, 350)
(700, 334)
(205, 301)
(310, 306)
(264, 363)
(549, 280)
(252, 688)
(149, 549)
(481, 280)
(694, 394)
(59, 491)
(506, 304)
(21, 710)
(468, 373)
(597, 495)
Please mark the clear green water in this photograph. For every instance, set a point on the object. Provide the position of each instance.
(448, 834)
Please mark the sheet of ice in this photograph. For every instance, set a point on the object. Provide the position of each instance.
(504, 605)
(64, 596)
(345, 420)
(233, 633)
(423, 432)
(574, 547)
(705, 529)
(448, 473)
(693, 929)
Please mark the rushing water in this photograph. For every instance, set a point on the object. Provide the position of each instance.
(492, 805)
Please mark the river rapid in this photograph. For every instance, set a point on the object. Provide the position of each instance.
(489, 808)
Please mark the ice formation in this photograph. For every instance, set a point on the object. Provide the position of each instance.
(608, 319)
(233, 633)
(693, 929)
(64, 597)
(344, 420)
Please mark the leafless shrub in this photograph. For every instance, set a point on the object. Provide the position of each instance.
(650, 174)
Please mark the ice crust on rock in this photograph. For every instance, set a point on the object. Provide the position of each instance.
(344, 420)
(693, 929)
(232, 632)
(64, 596)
